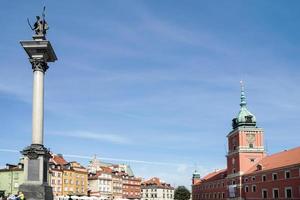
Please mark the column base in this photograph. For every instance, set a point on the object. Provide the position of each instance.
(36, 192)
(36, 167)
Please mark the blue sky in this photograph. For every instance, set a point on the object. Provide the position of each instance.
(153, 83)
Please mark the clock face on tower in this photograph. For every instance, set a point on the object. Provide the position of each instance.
(250, 138)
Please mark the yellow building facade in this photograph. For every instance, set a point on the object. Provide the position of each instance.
(75, 179)
(67, 178)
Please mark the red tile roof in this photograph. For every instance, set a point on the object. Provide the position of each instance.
(58, 160)
(153, 180)
(278, 160)
(157, 183)
(106, 170)
(216, 175)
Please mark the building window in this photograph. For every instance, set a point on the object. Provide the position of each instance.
(253, 178)
(274, 176)
(246, 189)
(288, 192)
(251, 145)
(234, 144)
(264, 193)
(275, 193)
(223, 195)
(264, 178)
(246, 179)
(253, 188)
(287, 174)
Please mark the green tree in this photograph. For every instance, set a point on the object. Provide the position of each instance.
(181, 193)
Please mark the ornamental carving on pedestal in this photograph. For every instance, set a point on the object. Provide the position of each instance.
(32, 155)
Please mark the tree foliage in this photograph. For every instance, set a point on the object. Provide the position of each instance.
(182, 193)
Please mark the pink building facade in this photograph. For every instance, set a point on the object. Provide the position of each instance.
(250, 173)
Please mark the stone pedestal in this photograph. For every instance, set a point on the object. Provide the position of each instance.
(36, 192)
(36, 167)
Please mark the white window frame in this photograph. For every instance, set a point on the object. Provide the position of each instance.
(262, 178)
(273, 191)
(247, 190)
(262, 193)
(285, 192)
(253, 187)
(289, 171)
(273, 176)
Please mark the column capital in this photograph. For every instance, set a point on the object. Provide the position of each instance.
(39, 65)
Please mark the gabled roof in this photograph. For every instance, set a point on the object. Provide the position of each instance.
(278, 160)
(156, 183)
(58, 159)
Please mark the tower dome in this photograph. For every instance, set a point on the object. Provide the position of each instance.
(196, 178)
(244, 117)
(196, 174)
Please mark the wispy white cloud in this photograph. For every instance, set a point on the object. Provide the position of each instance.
(113, 138)
(125, 160)
(180, 166)
(9, 150)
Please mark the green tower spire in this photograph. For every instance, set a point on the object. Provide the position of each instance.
(243, 97)
(244, 117)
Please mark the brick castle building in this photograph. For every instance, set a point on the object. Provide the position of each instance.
(250, 173)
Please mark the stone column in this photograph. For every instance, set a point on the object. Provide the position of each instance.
(39, 68)
(36, 156)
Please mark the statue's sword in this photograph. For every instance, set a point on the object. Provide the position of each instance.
(43, 14)
(29, 24)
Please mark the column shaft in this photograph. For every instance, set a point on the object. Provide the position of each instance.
(38, 107)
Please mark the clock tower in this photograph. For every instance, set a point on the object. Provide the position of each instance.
(245, 141)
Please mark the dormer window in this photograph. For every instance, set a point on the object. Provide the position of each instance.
(259, 167)
(248, 119)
